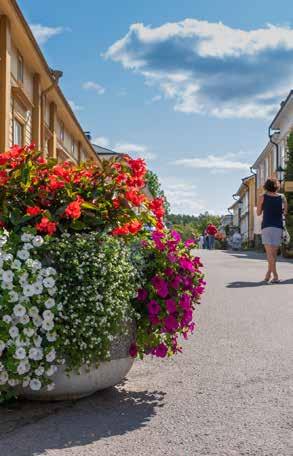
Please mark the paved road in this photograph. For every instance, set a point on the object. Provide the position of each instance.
(229, 394)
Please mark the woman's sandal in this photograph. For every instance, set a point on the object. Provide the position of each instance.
(275, 281)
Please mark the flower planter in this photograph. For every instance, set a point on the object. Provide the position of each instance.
(87, 381)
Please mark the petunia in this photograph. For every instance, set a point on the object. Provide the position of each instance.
(185, 301)
(171, 324)
(161, 350)
(171, 305)
(133, 350)
(142, 294)
(153, 307)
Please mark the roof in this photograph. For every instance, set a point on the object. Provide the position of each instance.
(267, 148)
(282, 108)
(104, 151)
(48, 69)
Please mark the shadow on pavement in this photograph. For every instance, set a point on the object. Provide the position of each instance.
(252, 255)
(240, 284)
(32, 428)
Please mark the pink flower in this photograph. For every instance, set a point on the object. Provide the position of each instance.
(185, 263)
(176, 282)
(185, 302)
(187, 317)
(133, 350)
(176, 236)
(161, 350)
(168, 272)
(171, 305)
(189, 243)
(172, 257)
(171, 324)
(154, 320)
(142, 294)
(161, 286)
(153, 307)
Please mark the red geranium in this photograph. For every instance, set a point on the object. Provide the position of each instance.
(46, 226)
(73, 210)
(33, 210)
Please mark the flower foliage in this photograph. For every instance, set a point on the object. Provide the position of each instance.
(56, 197)
(28, 313)
(173, 284)
(96, 283)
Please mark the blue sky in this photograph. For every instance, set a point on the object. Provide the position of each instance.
(191, 85)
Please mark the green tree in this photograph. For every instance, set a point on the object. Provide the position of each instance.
(197, 223)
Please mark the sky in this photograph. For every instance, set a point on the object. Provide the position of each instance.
(190, 85)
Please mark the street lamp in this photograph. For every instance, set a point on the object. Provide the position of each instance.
(280, 174)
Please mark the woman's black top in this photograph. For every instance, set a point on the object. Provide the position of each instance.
(272, 211)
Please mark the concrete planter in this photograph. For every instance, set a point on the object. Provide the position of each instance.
(87, 381)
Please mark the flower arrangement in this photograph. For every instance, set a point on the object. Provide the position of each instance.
(173, 284)
(79, 262)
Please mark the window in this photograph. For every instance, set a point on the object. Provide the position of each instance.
(19, 68)
(72, 147)
(17, 133)
(62, 131)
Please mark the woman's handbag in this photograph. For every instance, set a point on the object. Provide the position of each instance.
(285, 235)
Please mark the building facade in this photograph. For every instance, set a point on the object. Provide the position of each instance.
(33, 108)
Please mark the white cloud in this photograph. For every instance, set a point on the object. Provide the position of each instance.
(137, 150)
(210, 68)
(74, 106)
(90, 85)
(102, 141)
(183, 196)
(43, 33)
(213, 163)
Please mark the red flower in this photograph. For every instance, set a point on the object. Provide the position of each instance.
(3, 177)
(116, 203)
(135, 197)
(33, 211)
(2, 224)
(133, 350)
(157, 207)
(55, 184)
(134, 226)
(73, 210)
(46, 226)
(121, 230)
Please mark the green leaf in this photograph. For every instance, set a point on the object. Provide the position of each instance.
(87, 205)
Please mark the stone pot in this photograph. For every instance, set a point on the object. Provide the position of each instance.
(87, 381)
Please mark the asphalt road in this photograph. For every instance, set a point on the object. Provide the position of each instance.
(229, 394)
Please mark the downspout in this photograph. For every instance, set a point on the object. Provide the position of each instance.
(274, 143)
(255, 184)
(248, 213)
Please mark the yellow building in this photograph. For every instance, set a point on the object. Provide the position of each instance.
(32, 105)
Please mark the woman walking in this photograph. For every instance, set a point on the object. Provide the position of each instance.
(274, 207)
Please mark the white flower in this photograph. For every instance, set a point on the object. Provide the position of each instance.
(7, 285)
(48, 315)
(49, 282)
(60, 307)
(35, 354)
(12, 382)
(48, 325)
(20, 353)
(50, 303)
(51, 356)
(51, 386)
(28, 290)
(24, 320)
(52, 291)
(23, 278)
(36, 265)
(7, 276)
(51, 371)
(14, 332)
(29, 332)
(20, 342)
(38, 288)
(13, 296)
(39, 371)
(29, 263)
(35, 384)
(3, 345)
(37, 321)
(16, 264)
(3, 240)
(38, 341)
(28, 246)
(22, 368)
(19, 310)
(38, 241)
(33, 311)
(8, 257)
(7, 319)
(26, 237)
(23, 254)
(49, 271)
(3, 377)
(51, 337)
